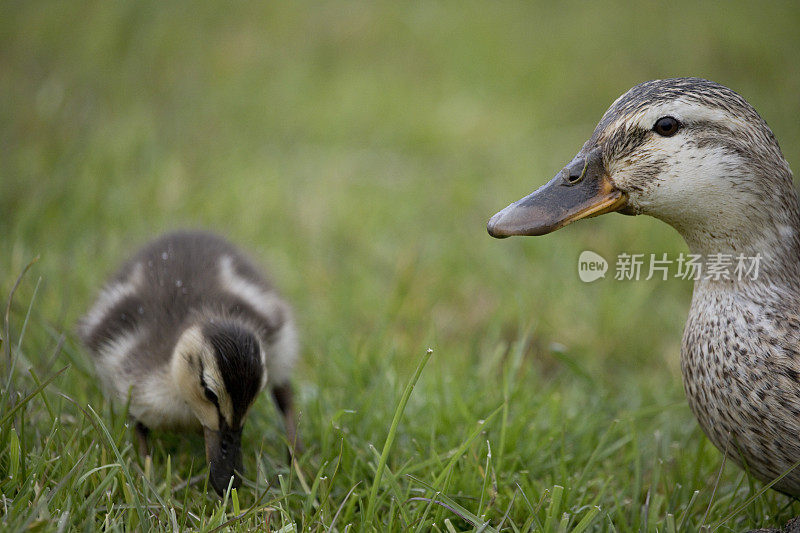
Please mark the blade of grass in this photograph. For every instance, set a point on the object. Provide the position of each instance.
(716, 482)
(27, 398)
(28, 313)
(587, 520)
(387, 446)
(7, 318)
(341, 506)
(243, 515)
(482, 425)
(755, 496)
(448, 503)
(555, 507)
(102, 430)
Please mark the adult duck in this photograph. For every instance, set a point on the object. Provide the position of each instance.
(696, 155)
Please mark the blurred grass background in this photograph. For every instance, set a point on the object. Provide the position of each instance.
(357, 150)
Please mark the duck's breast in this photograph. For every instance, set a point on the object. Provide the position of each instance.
(741, 371)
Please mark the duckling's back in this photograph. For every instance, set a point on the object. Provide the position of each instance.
(169, 284)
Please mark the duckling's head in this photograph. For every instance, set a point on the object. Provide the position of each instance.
(218, 367)
(688, 151)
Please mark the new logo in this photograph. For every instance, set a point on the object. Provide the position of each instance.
(591, 266)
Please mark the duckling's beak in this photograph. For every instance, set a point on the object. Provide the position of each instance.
(582, 189)
(224, 455)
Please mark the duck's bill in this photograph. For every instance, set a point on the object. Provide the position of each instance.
(224, 455)
(581, 190)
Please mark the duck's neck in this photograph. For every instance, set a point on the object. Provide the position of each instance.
(768, 229)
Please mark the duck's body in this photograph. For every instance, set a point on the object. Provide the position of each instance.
(741, 372)
(190, 330)
(696, 155)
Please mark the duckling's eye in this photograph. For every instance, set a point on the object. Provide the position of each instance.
(211, 396)
(666, 126)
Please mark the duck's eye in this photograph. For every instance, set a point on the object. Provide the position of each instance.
(667, 126)
(211, 396)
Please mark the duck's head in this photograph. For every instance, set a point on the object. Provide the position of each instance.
(218, 367)
(688, 151)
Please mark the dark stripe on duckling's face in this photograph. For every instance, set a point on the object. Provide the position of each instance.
(209, 394)
(238, 357)
(233, 349)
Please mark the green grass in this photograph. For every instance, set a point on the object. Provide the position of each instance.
(357, 151)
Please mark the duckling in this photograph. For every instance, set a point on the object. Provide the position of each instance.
(190, 330)
(697, 156)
